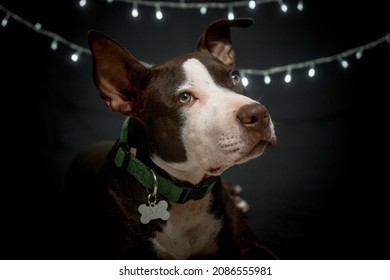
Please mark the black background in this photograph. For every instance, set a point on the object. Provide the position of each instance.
(320, 193)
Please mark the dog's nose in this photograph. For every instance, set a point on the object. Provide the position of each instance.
(253, 116)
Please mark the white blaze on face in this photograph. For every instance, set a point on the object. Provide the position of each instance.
(213, 138)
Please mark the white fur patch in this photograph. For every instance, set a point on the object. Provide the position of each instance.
(190, 231)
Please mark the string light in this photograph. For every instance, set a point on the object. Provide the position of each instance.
(202, 7)
(197, 6)
(266, 73)
(38, 28)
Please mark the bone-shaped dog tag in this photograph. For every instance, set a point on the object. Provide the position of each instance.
(153, 211)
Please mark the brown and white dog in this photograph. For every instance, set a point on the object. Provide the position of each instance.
(156, 193)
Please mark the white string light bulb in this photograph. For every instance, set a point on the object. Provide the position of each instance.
(244, 80)
(203, 10)
(252, 4)
(134, 11)
(75, 56)
(82, 3)
(5, 20)
(311, 71)
(110, 1)
(300, 5)
(359, 54)
(54, 44)
(37, 26)
(267, 79)
(287, 78)
(230, 13)
(159, 14)
(283, 6)
(343, 62)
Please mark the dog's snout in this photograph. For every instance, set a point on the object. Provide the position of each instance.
(253, 116)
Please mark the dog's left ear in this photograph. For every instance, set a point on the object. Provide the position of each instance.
(116, 73)
(216, 39)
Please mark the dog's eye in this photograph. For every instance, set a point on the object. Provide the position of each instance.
(236, 78)
(185, 97)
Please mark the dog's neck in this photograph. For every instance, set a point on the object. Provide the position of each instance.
(181, 171)
(128, 158)
(137, 138)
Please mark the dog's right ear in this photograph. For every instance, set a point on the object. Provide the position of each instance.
(216, 39)
(116, 73)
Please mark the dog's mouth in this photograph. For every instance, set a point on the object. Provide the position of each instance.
(216, 170)
(256, 151)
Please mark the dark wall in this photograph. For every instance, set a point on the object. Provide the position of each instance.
(318, 194)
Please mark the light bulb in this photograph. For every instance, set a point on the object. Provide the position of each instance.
(245, 81)
(75, 56)
(203, 10)
(267, 79)
(159, 14)
(252, 4)
(4, 22)
(287, 78)
(134, 11)
(54, 44)
(300, 5)
(37, 26)
(82, 3)
(343, 63)
(284, 7)
(359, 54)
(311, 72)
(230, 13)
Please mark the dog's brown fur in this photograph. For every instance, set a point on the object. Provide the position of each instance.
(105, 221)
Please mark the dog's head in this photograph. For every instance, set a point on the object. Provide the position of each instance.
(197, 119)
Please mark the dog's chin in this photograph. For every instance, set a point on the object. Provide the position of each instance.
(253, 153)
(216, 171)
(242, 157)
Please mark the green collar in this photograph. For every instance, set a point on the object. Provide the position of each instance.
(125, 158)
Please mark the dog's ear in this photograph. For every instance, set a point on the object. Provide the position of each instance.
(116, 73)
(216, 38)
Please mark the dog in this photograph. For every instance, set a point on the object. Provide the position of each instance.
(156, 192)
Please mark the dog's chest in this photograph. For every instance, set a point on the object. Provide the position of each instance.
(190, 232)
